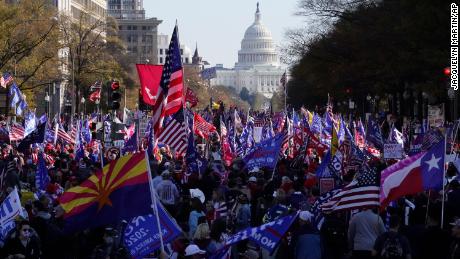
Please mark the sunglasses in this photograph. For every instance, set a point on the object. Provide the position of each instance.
(26, 230)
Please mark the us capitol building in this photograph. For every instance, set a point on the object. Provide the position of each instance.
(258, 68)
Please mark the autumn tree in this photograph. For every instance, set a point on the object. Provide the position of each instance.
(28, 44)
(90, 53)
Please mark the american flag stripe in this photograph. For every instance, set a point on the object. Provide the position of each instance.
(364, 191)
(65, 137)
(169, 95)
(16, 132)
(174, 134)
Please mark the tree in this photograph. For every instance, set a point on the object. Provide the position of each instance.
(89, 55)
(244, 94)
(373, 47)
(28, 43)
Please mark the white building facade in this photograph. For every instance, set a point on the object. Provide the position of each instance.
(258, 68)
(163, 46)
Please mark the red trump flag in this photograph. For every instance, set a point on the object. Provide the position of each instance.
(149, 76)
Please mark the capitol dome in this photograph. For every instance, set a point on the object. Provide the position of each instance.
(257, 46)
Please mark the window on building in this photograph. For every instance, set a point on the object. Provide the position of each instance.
(144, 28)
(161, 52)
(186, 61)
(134, 48)
(120, 27)
(161, 60)
(182, 51)
(129, 27)
(134, 27)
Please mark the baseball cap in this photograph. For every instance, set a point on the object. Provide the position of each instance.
(250, 253)
(305, 215)
(252, 179)
(193, 250)
(456, 223)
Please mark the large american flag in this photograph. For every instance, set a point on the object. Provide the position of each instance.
(169, 96)
(362, 192)
(16, 132)
(174, 134)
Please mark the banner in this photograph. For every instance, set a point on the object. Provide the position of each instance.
(150, 77)
(9, 210)
(267, 235)
(393, 151)
(142, 237)
(264, 154)
(436, 115)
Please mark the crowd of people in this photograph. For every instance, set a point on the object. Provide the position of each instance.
(211, 205)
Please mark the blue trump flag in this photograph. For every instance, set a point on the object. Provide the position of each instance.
(264, 154)
(37, 136)
(267, 235)
(142, 237)
(42, 179)
(374, 135)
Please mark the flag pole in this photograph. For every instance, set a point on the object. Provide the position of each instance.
(443, 179)
(154, 202)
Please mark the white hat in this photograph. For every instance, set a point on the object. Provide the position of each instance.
(456, 223)
(193, 250)
(197, 193)
(305, 215)
(252, 179)
(254, 170)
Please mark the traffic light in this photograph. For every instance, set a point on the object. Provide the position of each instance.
(114, 96)
(93, 128)
(447, 71)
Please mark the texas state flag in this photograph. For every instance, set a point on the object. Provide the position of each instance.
(423, 171)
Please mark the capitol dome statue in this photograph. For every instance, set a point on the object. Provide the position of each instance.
(258, 68)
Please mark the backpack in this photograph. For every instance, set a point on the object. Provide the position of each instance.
(392, 248)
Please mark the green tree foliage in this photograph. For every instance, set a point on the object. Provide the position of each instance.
(28, 45)
(244, 94)
(91, 53)
(374, 47)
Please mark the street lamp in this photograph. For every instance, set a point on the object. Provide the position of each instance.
(83, 104)
(47, 100)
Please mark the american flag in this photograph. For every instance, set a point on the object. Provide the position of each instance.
(362, 192)
(16, 132)
(64, 136)
(174, 134)
(201, 127)
(73, 132)
(169, 96)
(6, 79)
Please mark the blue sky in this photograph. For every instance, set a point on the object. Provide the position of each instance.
(219, 25)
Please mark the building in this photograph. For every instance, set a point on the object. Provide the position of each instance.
(126, 9)
(138, 32)
(96, 8)
(58, 94)
(163, 46)
(258, 68)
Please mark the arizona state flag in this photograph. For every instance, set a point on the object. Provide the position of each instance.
(120, 191)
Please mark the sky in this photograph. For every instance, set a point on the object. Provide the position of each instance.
(218, 26)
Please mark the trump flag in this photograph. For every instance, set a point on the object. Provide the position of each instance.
(149, 76)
